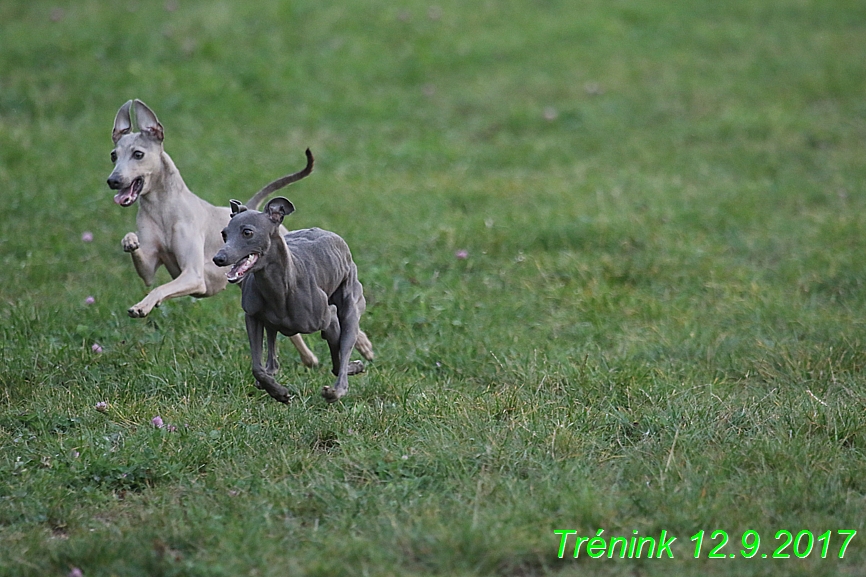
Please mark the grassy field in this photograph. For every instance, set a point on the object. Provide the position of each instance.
(613, 254)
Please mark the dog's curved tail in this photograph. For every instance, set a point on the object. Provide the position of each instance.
(279, 183)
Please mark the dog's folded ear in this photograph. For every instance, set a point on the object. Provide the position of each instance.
(279, 208)
(122, 122)
(148, 122)
(237, 207)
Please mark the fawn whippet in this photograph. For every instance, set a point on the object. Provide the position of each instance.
(176, 228)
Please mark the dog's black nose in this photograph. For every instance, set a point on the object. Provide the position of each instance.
(114, 183)
(220, 259)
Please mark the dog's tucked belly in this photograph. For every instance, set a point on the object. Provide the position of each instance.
(294, 322)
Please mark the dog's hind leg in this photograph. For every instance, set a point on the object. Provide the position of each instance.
(364, 346)
(341, 336)
(308, 357)
(362, 343)
(190, 281)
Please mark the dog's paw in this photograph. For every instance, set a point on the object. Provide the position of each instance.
(136, 312)
(283, 394)
(332, 394)
(355, 368)
(142, 309)
(130, 242)
(310, 361)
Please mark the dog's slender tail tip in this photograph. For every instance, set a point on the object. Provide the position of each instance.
(258, 197)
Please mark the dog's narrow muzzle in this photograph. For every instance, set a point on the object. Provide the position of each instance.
(220, 259)
(114, 183)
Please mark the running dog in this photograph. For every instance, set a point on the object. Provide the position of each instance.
(176, 228)
(301, 282)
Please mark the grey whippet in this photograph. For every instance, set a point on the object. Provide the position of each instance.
(301, 282)
(176, 228)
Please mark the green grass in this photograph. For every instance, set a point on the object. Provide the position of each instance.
(660, 324)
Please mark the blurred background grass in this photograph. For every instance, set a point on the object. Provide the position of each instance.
(658, 323)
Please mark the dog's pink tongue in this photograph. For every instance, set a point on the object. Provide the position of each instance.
(122, 197)
(241, 268)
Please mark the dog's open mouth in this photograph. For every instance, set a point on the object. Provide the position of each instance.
(242, 267)
(129, 195)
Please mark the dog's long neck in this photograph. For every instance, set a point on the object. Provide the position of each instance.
(168, 178)
(278, 277)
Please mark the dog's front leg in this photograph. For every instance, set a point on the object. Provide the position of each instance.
(189, 282)
(190, 261)
(144, 260)
(308, 357)
(255, 332)
(272, 365)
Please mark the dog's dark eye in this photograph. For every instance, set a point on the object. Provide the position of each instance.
(247, 233)
(138, 155)
(113, 156)
(223, 233)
